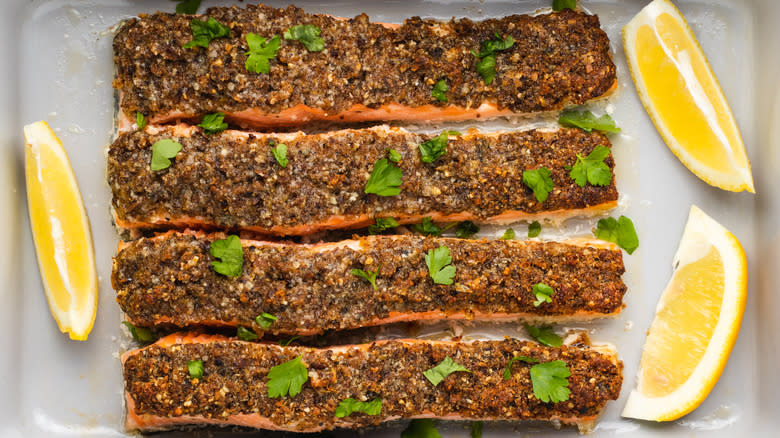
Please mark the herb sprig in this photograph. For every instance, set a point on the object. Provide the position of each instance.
(440, 372)
(439, 265)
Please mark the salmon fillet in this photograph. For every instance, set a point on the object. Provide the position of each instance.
(232, 391)
(231, 179)
(366, 72)
(168, 280)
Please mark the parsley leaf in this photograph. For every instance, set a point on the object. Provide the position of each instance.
(509, 234)
(261, 52)
(543, 294)
(382, 224)
(534, 229)
(591, 169)
(350, 405)
(466, 229)
(369, 276)
(287, 377)
(308, 34)
(439, 267)
(205, 31)
(559, 5)
(440, 90)
(539, 181)
(428, 228)
(476, 429)
(544, 335)
(393, 155)
(486, 58)
(213, 123)
(140, 334)
(587, 121)
(288, 341)
(550, 381)
(231, 254)
(264, 320)
(620, 231)
(280, 154)
(446, 367)
(421, 428)
(385, 179)
(162, 152)
(140, 121)
(434, 148)
(245, 334)
(508, 369)
(187, 6)
(195, 368)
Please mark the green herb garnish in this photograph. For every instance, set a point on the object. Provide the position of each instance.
(508, 369)
(205, 31)
(544, 335)
(434, 148)
(559, 5)
(393, 155)
(288, 341)
(550, 381)
(421, 428)
(140, 334)
(591, 169)
(287, 378)
(280, 154)
(382, 224)
(261, 51)
(620, 231)
(466, 229)
(476, 429)
(140, 121)
(509, 234)
(439, 267)
(162, 152)
(587, 121)
(543, 293)
(446, 367)
(369, 276)
(308, 34)
(195, 368)
(187, 6)
(265, 320)
(440, 90)
(245, 334)
(539, 181)
(385, 179)
(428, 228)
(486, 58)
(350, 405)
(213, 123)
(231, 256)
(534, 229)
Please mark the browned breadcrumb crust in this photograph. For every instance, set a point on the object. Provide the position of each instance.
(557, 58)
(230, 180)
(170, 278)
(235, 378)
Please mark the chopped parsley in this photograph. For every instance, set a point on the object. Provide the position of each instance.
(549, 379)
(509, 234)
(434, 148)
(288, 341)
(446, 367)
(203, 32)
(308, 34)
(369, 276)
(543, 294)
(539, 181)
(287, 378)
(428, 228)
(261, 51)
(213, 123)
(231, 256)
(195, 368)
(591, 169)
(265, 320)
(140, 334)
(440, 90)
(534, 229)
(559, 5)
(587, 121)
(466, 230)
(486, 58)
(140, 121)
(439, 265)
(421, 428)
(162, 152)
(620, 231)
(385, 179)
(508, 369)
(279, 152)
(476, 429)
(544, 335)
(350, 405)
(245, 334)
(187, 6)
(382, 224)
(393, 155)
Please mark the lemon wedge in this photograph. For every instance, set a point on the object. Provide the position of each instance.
(60, 229)
(696, 323)
(683, 98)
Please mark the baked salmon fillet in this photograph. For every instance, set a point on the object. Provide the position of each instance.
(169, 280)
(233, 389)
(232, 179)
(366, 71)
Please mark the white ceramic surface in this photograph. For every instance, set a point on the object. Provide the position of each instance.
(56, 65)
